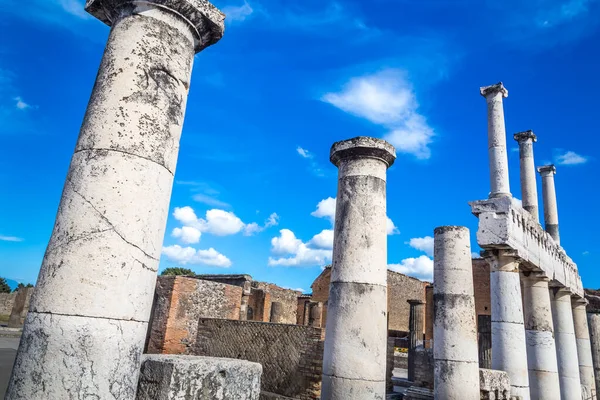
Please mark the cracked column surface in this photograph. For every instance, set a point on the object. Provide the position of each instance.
(86, 328)
(584, 351)
(509, 349)
(528, 183)
(549, 198)
(494, 94)
(455, 352)
(594, 327)
(539, 333)
(354, 363)
(566, 345)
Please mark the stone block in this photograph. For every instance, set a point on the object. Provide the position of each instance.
(494, 385)
(165, 377)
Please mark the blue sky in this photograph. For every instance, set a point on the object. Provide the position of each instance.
(254, 187)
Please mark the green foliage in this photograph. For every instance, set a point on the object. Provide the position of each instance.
(22, 286)
(178, 271)
(4, 288)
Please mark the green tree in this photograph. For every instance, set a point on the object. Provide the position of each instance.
(4, 288)
(178, 271)
(22, 286)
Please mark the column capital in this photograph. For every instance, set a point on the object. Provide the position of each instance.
(206, 20)
(547, 170)
(525, 136)
(497, 88)
(415, 302)
(579, 301)
(537, 276)
(363, 147)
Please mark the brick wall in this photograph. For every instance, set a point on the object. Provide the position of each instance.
(423, 367)
(7, 300)
(288, 299)
(179, 303)
(291, 355)
(320, 290)
(20, 307)
(481, 283)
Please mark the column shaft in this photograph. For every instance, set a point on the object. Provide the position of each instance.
(415, 333)
(455, 352)
(594, 326)
(500, 185)
(89, 314)
(509, 349)
(550, 205)
(566, 346)
(584, 350)
(528, 178)
(354, 363)
(539, 332)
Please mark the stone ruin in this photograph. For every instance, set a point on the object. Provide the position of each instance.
(86, 340)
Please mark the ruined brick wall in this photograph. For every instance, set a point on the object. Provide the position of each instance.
(20, 307)
(402, 288)
(320, 290)
(179, 303)
(302, 300)
(481, 283)
(288, 299)
(259, 305)
(429, 316)
(7, 300)
(291, 355)
(423, 367)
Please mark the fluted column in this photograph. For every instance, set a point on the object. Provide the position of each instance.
(550, 206)
(566, 345)
(528, 184)
(500, 185)
(354, 362)
(509, 348)
(539, 333)
(84, 335)
(584, 351)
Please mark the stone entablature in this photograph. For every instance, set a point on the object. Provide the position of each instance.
(505, 225)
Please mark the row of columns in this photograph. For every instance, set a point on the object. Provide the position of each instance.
(545, 345)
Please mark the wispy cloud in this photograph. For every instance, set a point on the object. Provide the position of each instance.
(20, 104)
(211, 201)
(570, 158)
(10, 239)
(238, 13)
(303, 152)
(74, 7)
(387, 99)
(314, 166)
(424, 244)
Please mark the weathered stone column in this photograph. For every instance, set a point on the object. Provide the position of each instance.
(89, 313)
(455, 352)
(316, 314)
(584, 350)
(415, 333)
(497, 139)
(539, 333)
(528, 183)
(594, 326)
(356, 332)
(549, 197)
(566, 346)
(276, 313)
(509, 349)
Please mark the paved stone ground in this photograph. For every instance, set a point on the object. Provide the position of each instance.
(8, 352)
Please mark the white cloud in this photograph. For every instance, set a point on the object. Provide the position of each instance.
(420, 267)
(303, 152)
(253, 227)
(10, 239)
(388, 99)
(323, 240)
(20, 104)
(238, 13)
(424, 244)
(570, 158)
(585, 253)
(299, 253)
(209, 200)
(391, 229)
(189, 255)
(325, 209)
(187, 234)
(74, 7)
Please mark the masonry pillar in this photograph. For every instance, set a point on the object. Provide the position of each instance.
(528, 183)
(415, 333)
(494, 94)
(594, 326)
(584, 351)
(246, 293)
(509, 349)
(356, 332)
(549, 197)
(539, 333)
(86, 328)
(276, 313)
(316, 314)
(566, 346)
(455, 352)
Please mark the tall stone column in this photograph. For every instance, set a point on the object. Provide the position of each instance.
(539, 333)
(89, 314)
(528, 183)
(415, 333)
(509, 349)
(566, 346)
(594, 326)
(497, 140)
(356, 332)
(549, 197)
(277, 315)
(455, 351)
(584, 350)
